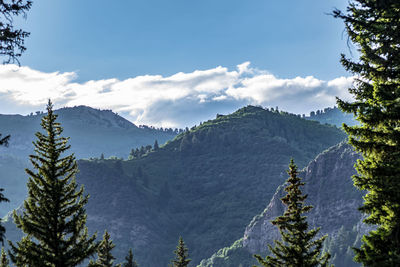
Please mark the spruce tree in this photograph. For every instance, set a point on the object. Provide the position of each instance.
(374, 27)
(54, 217)
(181, 255)
(129, 260)
(104, 256)
(3, 259)
(298, 247)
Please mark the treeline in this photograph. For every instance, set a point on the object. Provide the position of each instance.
(175, 131)
(143, 150)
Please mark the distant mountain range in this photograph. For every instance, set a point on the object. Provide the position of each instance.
(92, 133)
(205, 184)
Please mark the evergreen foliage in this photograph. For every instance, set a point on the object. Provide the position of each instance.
(374, 27)
(181, 255)
(129, 260)
(298, 247)
(54, 216)
(12, 40)
(2, 228)
(104, 256)
(4, 262)
(3, 142)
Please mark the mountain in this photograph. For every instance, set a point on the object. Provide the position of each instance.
(92, 132)
(205, 184)
(333, 116)
(330, 190)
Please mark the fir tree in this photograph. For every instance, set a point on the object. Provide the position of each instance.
(3, 259)
(129, 260)
(374, 27)
(298, 247)
(54, 216)
(181, 255)
(104, 256)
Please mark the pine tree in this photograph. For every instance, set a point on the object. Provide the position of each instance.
(104, 256)
(374, 27)
(298, 247)
(54, 216)
(181, 255)
(3, 259)
(129, 260)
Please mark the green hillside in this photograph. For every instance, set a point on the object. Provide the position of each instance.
(205, 185)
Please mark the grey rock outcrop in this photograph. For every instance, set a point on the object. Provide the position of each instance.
(335, 200)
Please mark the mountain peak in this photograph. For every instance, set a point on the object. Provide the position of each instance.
(95, 116)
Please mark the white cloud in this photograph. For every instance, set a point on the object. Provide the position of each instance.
(179, 100)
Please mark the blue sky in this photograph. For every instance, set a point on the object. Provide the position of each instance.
(120, 39)
(96, 42)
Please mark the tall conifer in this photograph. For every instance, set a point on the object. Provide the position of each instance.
(54, 216)
(374, 27)
(129, 260)
(181, 255)
(298, 247)
(104, 255)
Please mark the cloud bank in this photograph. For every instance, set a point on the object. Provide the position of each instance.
(179, 100)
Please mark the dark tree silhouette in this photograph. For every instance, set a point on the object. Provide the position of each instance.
(12, 40)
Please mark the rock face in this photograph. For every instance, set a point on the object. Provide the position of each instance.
(330, 190)
(335, 200)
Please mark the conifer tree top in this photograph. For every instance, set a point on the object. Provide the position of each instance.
(181, 255)
(299, 246)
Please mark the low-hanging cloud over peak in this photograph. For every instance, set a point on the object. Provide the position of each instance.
(179, 100)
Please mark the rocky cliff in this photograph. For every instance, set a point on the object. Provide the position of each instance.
(330, 190)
